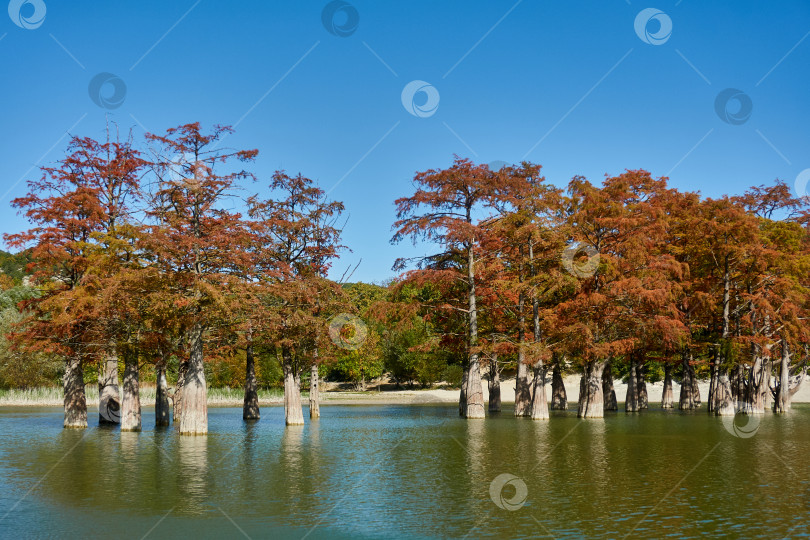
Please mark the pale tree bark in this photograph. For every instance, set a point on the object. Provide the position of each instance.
(559, 399)
(194, 410)
(724, 402)
(667, 395)
(591, 400)
(781, 402)
(643, 398)
(475, 393)
(539, 400)
(75, 397)
(293, 410)
(715, 371)
(314, 391)
(131, 403)
(494, 384)
(608, 392)
(522, 390)
(250, 408)
(178, 391)
(757, 387)
(109, 394)
(162, 409)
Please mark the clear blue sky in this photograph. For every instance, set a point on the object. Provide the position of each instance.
(567, 84)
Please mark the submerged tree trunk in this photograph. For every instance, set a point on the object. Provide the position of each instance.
(781, 402)
(250, 408)
(757, 388)
(162, 409)
(631, 401)
(131, 403)
(643, 399)
(194, 410)
(712, 399)
(724, 403)
(293, 412)
(539, 400)
(522, 390)
(75, 398)
(178, 391)
(591, 400)
(666, 395)
(494, 385)
(475, 393)
(559, 399)
(687, 400)
(609, 393)
(109, 393)
(462, 398)
(314, 392)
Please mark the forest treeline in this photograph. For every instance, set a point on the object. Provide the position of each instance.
(157, 260)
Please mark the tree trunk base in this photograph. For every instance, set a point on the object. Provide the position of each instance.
(75, 397)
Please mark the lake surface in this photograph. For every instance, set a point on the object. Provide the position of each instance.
(407, 471)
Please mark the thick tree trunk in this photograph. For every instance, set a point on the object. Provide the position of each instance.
(178, 391)
(724, 403)
(293, 411)
(738, 390)
(781, 402)
(559, 399)
(539, 401)
(131, 403)
(631, 402)
(475, 393)
(250, 408)
(314, 392)
(75, 398)
(109, 393)
(162, 410)
(689, 386)
(522, 390)
(643, 398)
(591, 400)
(462, 398)
(494, 385)
(666, 395)
(712, 399)
(609, 393)
(757, 386)
(194, 409)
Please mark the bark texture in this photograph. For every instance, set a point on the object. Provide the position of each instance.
(75, 398)
(293, 411)
(724, 402)
(591, 400)
(494, 385)
(462, 397)
(667, 396)
(631, 398)
(559, 399)
(178, 391)
(250, 408)
(539, 401)
(314, 392)
(163, 411)
(608, 391)
(109, 393)
(781, 403)
(194, 410)
(522, 390)
(131, 403)
(643, 398)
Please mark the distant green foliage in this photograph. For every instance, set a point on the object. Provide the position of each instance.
(13, 265)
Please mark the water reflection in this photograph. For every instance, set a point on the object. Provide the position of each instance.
(192, 475)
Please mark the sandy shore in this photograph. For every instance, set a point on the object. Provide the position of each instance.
(417, 396)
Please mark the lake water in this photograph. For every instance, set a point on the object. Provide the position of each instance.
(407, 471)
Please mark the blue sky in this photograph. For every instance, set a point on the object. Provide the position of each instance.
(567, 84)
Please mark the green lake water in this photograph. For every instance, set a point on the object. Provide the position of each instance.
(408, 471)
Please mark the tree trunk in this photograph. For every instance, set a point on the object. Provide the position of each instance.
(539, 401)
(194, 410)
(631, 402)
(688, 385)
(293, 412)
(75, 398)
(608, 391)
(162, 409)
(462, 398)
(781, 402)
(757, 389)
(131, 404)
(178, 391)
(643, 398)
(109, 393)
(494, 385)
(522, 391)
(712, 399)
(559, 399)
(250, 408)
(314, 392)
(591, 400)
(666, 395)
(724, 403)
(475, 394)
